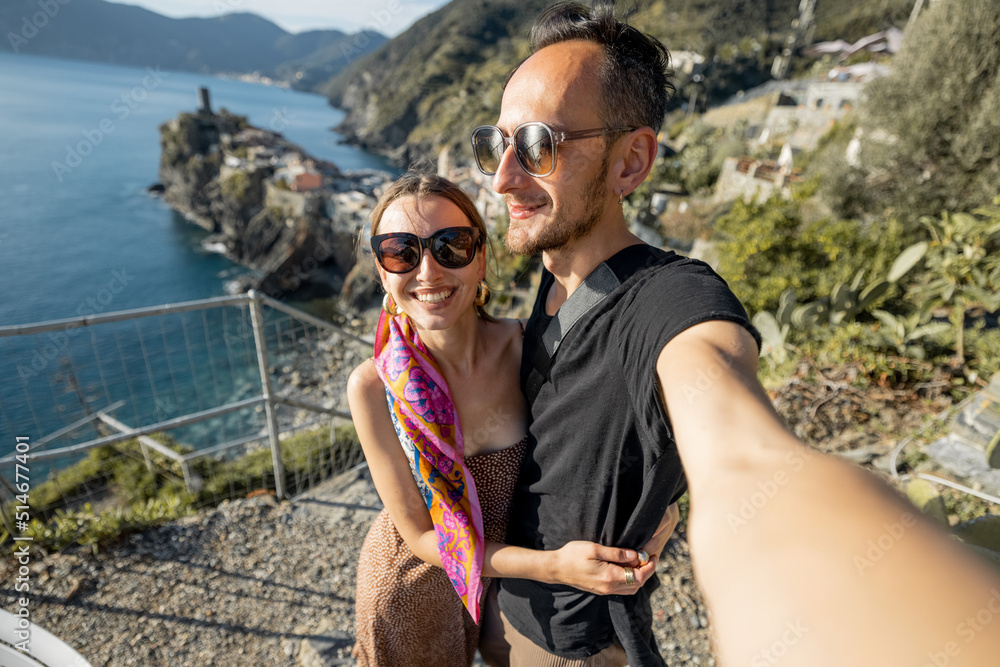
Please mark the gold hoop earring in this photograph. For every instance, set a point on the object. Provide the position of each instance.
(482, 294)
(389, 306)
(621, 196)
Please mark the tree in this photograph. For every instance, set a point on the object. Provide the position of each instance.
(931, 140)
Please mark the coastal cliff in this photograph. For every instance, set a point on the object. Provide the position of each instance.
(270, 205)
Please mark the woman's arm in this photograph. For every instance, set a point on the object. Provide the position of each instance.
(584, 565)
(588, 566)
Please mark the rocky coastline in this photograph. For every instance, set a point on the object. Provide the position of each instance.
(272, 207)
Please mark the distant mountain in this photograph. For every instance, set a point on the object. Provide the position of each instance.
(440, 76)
(128, 35)
(428, 87)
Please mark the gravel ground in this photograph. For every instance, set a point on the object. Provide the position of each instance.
(253, 582)
(257, 582)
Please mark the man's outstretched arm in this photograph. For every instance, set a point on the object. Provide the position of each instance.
(805, 559)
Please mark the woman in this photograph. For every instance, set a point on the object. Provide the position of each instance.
(443, 424)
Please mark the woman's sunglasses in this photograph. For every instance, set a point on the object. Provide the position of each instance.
(534, 146)
(451, 247)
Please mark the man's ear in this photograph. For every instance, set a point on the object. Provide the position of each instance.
(637, 156)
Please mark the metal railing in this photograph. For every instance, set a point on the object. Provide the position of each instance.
(210, 377)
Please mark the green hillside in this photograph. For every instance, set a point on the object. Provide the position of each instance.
(428, 87)
(440, 74)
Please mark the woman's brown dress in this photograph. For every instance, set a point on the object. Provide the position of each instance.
(407, 612)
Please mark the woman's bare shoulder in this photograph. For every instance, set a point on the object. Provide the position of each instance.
(511, 326)
(509, 336)
(364, 382)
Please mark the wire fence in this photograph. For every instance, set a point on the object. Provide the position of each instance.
(210, 399)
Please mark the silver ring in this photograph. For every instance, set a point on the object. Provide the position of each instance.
(643, 558)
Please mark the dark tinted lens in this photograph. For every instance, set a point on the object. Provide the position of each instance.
(488, 146)
(399, 254)
(454, 248)
(533, 144)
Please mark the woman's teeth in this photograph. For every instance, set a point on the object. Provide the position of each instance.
(434, 298)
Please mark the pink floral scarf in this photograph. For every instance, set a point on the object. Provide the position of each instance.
(427, 424)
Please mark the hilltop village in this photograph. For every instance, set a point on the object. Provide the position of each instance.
(271, 206)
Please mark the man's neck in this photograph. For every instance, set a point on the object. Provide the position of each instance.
(571, 264)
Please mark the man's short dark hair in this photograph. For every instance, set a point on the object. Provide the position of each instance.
(636, 73)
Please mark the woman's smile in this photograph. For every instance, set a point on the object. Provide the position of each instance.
(437, 296)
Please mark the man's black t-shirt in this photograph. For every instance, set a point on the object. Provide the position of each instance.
(601, 463)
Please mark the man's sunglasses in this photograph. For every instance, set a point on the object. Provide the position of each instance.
(451, 247)
(534, 146)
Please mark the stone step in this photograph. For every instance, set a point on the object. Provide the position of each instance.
(971, 449)
(965, 460)
(978, 423)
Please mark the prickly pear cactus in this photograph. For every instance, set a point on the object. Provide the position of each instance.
(808, 315)
(786, 306)
(906, 260)
(873, 292)
(843, 303)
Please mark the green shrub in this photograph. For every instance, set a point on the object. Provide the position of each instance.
(70, 481)
(120, 467)
(94, 529)
(861, 345)
(982, 349)
(831, 146)
(766, 248)
(302, 454)
(235, 186)
(963, 266)
(140, 498)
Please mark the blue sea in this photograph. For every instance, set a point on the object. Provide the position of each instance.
(79, 145)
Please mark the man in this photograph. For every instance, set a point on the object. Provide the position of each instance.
(636, 360)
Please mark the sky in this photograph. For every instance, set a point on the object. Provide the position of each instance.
(390, 17)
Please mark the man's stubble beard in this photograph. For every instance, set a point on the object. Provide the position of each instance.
(562, 230)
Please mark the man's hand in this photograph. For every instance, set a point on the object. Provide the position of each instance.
(663, 532)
